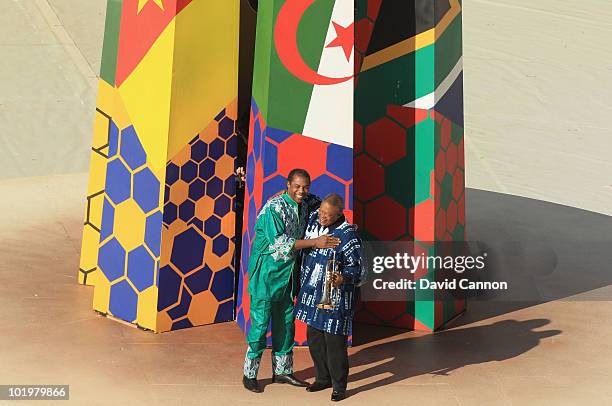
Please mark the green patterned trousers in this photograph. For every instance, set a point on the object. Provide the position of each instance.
(283, 331)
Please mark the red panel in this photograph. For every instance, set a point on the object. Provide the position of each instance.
(461, 154)
(358, 213)
(445, 131)
(363, 31)
(423, 220)
(371, 178)
(386, 219)
(406, 116)
(440, 165)
(451, 216)
(440, 224)
(386, 141)
(461, 210)
(357, 138)
(299, 151)
(458, 184)
(373, 8)
(140, 30)
(451, 158)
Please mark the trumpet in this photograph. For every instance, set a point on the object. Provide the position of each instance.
(330, 296)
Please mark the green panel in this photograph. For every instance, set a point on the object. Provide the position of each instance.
(448, 50)
(458, 233)
(399, 181)
(264, 41)
(108, 66)
(425, 79)
(397, 82)
(445, 194)
(289, 96)
(424, 311)
(361, 9)
(425, 305)
(424, 157)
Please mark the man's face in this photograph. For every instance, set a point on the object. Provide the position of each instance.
(298, 188)
(328, 214)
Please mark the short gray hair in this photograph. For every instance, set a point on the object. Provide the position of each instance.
(335, 200)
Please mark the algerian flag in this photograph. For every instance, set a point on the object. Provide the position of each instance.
(303, 80)
(330, 112)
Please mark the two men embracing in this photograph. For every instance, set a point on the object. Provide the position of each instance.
(295, 235)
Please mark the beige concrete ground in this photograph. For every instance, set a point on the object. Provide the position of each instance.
(49, 57)
(538, 87)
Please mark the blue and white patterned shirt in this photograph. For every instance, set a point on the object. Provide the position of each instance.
(349, 254)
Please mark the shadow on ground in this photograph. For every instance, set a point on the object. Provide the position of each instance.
(544, 251)
(440, 353)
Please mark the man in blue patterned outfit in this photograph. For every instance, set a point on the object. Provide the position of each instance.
(327, 330)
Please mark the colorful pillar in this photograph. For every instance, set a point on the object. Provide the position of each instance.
(398, 123)
(409, 158)
(302, 110)
(158, 242)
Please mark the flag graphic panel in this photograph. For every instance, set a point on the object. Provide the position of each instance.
(409, 159)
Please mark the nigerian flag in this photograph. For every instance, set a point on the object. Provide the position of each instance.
(303, 79)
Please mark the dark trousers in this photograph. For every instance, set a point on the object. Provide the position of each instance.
(330, 357)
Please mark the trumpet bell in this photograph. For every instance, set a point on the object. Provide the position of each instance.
(325, 306)
(329, 293)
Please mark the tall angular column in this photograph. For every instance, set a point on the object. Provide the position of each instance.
(158, 241)
(409, 159)
(302, 110)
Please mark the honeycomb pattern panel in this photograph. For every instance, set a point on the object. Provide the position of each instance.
(105, 134)
(130, 232)
(449, 181)
(197, 274)
(416, 197)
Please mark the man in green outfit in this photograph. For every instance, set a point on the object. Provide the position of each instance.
(279, 233)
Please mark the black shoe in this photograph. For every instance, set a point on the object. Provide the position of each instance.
(318, 386)
(251, 384)
(290, 379)
(338, 396)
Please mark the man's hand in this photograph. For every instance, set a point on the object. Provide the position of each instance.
(240, 175)
(326, 241)
(337, 280)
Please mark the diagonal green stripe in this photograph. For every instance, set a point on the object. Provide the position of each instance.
(108, 66)
(263, 47)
